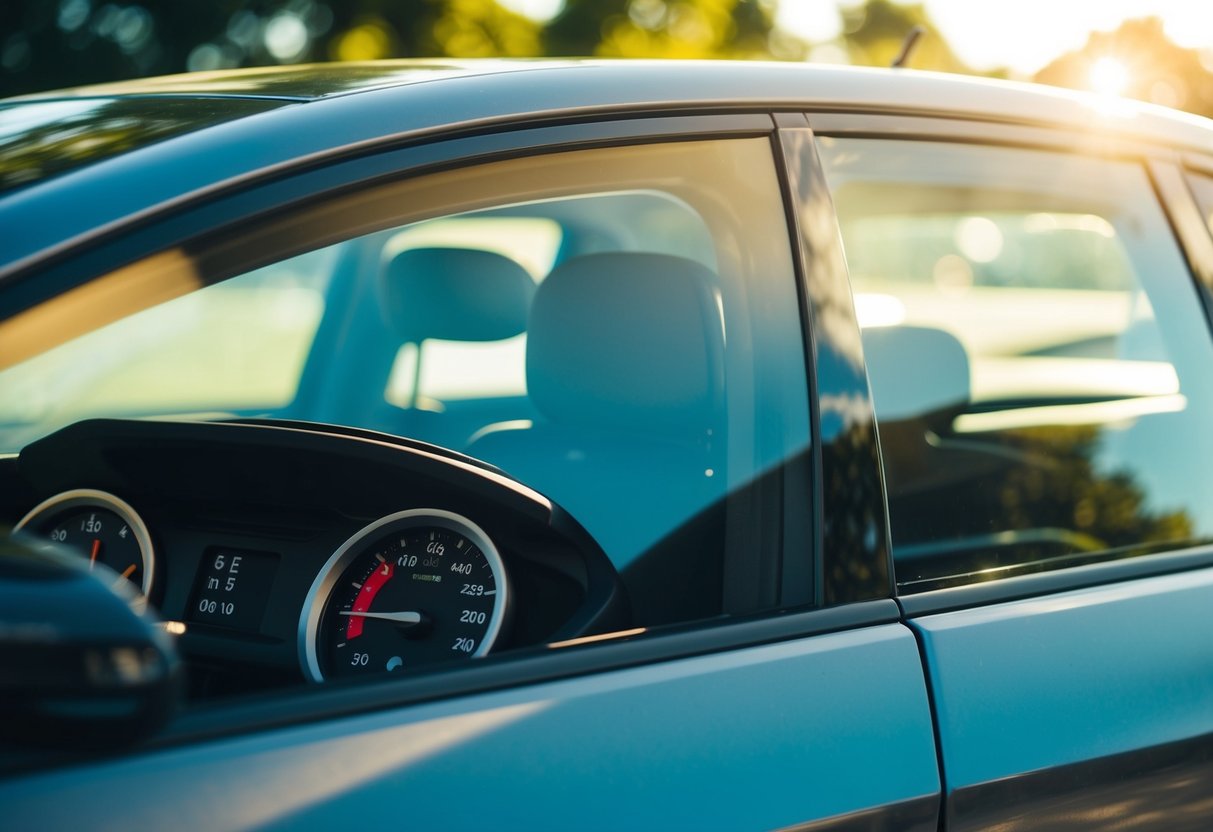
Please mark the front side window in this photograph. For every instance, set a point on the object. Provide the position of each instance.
(236, 347)
(617, 328)
(1037, 355)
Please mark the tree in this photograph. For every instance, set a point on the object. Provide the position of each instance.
(75, 42)
(666, 29)
(1155, 68)
(875, 31)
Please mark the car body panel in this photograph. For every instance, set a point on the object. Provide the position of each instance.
(759, 738)
(300, 82)
(1044, 683)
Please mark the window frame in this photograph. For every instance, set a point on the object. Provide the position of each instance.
(794, 547)
(1199, 167)
(1162, 167)
(853, 553)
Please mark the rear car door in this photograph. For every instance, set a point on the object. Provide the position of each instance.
(1038, 351)
(765, 679)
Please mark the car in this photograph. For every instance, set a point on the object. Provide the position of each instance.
(590, 444)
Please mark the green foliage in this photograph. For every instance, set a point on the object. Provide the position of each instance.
(46, 44)
(60, 43)
(875, 31)
(663, 29)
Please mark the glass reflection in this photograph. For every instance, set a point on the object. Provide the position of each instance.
(39, 139)
(1037, 355)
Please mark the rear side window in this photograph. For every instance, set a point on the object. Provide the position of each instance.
(1037, 355)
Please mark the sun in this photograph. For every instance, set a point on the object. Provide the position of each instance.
(1108, 76)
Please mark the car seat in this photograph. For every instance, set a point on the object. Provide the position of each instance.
(921, 380)
(625, 367)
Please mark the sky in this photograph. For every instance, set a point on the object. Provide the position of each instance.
(1022, 35)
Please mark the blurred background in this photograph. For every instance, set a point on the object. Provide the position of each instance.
(1155, 50)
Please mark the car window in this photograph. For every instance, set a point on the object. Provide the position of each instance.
(1037, 355)
(464, 369)
(232, 347)
(613, 327)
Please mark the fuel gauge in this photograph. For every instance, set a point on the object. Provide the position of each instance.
(97, 526)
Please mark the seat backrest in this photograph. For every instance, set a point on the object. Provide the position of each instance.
(625, 366)
(921, 380)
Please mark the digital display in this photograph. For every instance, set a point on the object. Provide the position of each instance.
(232, 587)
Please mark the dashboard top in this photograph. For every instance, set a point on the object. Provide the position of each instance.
(279, 551)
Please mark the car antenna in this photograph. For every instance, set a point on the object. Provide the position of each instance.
(907, 46)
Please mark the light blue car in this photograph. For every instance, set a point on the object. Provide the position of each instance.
(598, 445)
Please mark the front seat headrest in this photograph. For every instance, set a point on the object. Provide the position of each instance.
(455, 294)
(627, 341)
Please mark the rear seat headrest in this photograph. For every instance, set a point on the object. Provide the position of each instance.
(627, 341)
(455, 294)
(915, 370)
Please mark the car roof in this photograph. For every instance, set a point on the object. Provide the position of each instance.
(315, 110)
(762, 83)
(300, 82)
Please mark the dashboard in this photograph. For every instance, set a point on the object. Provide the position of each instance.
(283, 551)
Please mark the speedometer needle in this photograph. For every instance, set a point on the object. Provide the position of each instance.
(126, 573)
(407, 617)
(92, 556)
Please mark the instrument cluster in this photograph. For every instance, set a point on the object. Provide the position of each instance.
(281, 551)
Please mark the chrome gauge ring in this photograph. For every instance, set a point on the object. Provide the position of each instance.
(98, 526)
(417, 587)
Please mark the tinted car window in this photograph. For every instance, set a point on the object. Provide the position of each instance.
(446, 373)
(232, 347)
(1037, 355)
(562, 317)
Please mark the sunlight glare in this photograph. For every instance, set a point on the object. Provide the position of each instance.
(1109, 76)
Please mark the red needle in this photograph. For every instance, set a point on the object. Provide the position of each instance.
(366, 596)
(92, 556)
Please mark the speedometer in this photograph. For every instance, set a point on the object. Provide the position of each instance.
(414, 588)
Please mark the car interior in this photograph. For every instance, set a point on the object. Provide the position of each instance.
(564, 356)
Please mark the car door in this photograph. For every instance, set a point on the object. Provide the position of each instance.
(1038, 354)
(790, 695)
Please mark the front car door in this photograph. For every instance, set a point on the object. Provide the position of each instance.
(764, 679)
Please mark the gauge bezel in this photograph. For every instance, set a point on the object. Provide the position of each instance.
(96, 498)
(326, 581)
